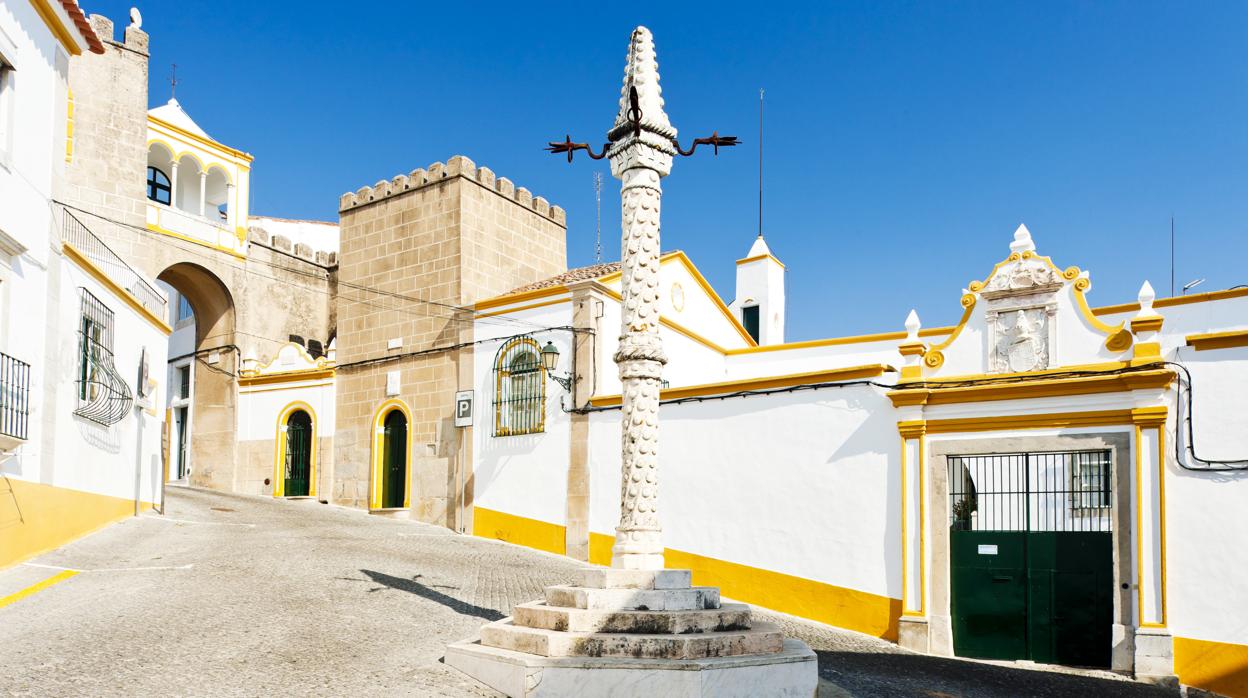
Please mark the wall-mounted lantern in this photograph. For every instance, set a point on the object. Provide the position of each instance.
(550, 361)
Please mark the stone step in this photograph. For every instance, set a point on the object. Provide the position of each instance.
(691, 599)
(610, 578)
(763, 638)
(729, 616)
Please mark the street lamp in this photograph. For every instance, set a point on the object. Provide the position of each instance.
(550, 361)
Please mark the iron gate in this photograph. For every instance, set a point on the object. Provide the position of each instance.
(298, 454)
(1031, 556)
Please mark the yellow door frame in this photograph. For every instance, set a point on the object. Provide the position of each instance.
(379, 434)
(279, 457)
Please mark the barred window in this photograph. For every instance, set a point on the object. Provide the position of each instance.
(1089, 474)
(103, 395)
(519, 388)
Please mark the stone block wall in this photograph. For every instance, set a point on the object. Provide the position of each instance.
(438, 240)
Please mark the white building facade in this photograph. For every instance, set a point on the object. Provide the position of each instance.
(81, 333)
(885, 483)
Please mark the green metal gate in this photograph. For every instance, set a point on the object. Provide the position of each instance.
(298, 454)
(1031, 556)
(394, 460)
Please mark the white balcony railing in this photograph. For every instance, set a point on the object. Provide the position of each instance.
(196, 228)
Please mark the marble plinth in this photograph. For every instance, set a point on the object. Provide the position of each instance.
(643, 633)
(788, 673)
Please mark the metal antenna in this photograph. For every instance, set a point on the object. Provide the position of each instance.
(598, 201)
(1171, 255)
(173, 81)
(760, 162)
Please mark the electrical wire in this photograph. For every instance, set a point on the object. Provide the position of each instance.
(1185, 418)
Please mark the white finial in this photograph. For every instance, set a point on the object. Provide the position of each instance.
(1146, 297)
(641, 72)
(1022, 240)
(136, 19)
(912, 326)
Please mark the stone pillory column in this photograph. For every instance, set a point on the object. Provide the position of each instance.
(637, 630)
(641, 154)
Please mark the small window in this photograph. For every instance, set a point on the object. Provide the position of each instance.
(749, 319)
(184, 382)
(1089, 474)
(7, 110)
(184, 309)
(158, 189)
(103, 395)
(520, 388)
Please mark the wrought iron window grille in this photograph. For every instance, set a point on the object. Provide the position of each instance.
(519, 388)
(103, 396)
(14, 397)
(1052, 491)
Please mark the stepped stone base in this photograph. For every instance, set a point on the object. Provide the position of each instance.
(644, 633)
(788, 673)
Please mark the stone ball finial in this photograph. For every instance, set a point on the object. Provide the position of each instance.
(136, 18)
(1022, 240)
(912, 325)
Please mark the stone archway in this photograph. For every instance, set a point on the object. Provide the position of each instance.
(214, 396)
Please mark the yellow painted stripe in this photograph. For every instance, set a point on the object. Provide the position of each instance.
(36, 588)
(766, 382)
(1221, 667)
(531, 533)
(846, 608)
(107, 281)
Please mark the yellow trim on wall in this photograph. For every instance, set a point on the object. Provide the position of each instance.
(42, 517)
(1218, 340)
(1174, 300)
(1221, 667)
(1023, 386)
(98, 274)
(1052, 420)
(520, 530)
(860, 611)
(757, 257)
(531, 306)
(785, 381)
(279, 442)
(165, 231)
(719, 303)
(221, 148)
(63, 36)
(836, 341)
(286, 377)
(935, 357)
(69, 125)
(672, 325)
(375, 480)
(510, 298)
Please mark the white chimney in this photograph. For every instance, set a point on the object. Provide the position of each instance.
(759, 304)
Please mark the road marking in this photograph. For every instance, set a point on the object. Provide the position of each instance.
(36, 588)
(201, 523)
(110, 569)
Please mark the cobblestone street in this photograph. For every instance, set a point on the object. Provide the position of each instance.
(231, 595)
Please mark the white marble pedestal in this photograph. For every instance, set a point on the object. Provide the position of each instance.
(639, 633)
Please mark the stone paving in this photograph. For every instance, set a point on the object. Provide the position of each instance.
(246, 596)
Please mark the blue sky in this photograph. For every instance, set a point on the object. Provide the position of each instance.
(904, 141)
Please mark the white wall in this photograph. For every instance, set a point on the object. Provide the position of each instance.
(259, 408)
(524, 475)
(801, 483)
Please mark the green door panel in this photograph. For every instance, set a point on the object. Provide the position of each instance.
(298, 454)
(394, 460)
(989, 600)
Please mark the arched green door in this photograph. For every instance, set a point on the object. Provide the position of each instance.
(394, 460)
(298, 454)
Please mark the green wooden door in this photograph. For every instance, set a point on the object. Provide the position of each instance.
(394, 460)
(298, 454)
(1031, 557)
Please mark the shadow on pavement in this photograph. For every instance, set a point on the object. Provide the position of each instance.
(897, 674)
(412, 586)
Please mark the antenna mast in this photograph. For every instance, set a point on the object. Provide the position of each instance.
(598, 201)
(1171, 255)
(760, 162)
(173, 81)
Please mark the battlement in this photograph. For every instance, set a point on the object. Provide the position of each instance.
(457, 166)
(135, 39)
(281, 243)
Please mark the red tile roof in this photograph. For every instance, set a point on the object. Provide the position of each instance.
(80, 21)
(593, 271)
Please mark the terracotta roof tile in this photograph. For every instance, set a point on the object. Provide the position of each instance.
(593, 271)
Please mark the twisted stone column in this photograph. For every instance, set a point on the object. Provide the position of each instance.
(641, 154)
